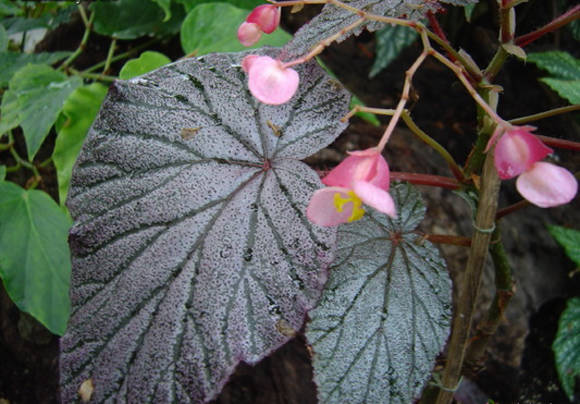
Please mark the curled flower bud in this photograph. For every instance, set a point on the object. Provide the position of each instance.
(249, 33)
(264, 18)
(269, 81)
(363, 177)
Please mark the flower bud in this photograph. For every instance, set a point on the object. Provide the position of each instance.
(249, 33)
(266, 16)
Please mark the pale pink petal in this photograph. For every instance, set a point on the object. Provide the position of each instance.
(270, 82)
(247, 62)
(322, 210)
(266, 16)
(362, 165)
(499, 130)
(516, 151)
(375, 197)
(249, 33)
(547, 185)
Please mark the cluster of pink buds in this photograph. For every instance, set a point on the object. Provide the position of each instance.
(518, 153)
(363, 177)
(264, 18)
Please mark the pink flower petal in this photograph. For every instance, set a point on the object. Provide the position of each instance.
(270, 82)
(362, 165)
(516, 151)
(247, 62)
(249, 33)
(322, 209)
(266, 16)
(375, 197)
(547, 185)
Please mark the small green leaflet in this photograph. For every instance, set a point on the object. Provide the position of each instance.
(34, 99)
(385, 311)
(569, 239)
(78, 113)
(212, 27)
(11, 62)
(34, 255)
(567, 346)
(146, 62)
(564, 72)
(391, 41)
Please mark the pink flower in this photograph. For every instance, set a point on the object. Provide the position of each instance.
(547, 185)
(361, 177)
(518, 153)
(269, 81)
(264, 18)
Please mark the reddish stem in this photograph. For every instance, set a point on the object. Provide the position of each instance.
(558, 22)
(425, 179)
(560, 143)
(445, 239)
(512, 208)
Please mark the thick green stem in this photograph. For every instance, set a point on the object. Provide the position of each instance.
(468, 292)
(504, 291)
(110, 54)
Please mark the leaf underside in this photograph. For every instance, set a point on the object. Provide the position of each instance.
(332, 19)
(190, 245)
(385, 313)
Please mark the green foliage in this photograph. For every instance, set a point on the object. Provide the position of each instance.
(148, 61)
(8, 8)
(166, 7)
(34, 255)
(34, 99)
(130, 19)
(567, 346)
(391, 40)
(564, 72)
(78, 113)
(569, 239)
(11, 62)
(2, 172)
(212, 27)
(366, 116)
(245, 4)
(3, 39)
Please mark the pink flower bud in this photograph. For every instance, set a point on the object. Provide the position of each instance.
(547, 185)
(361, 177)
(516, 151)
(269, 81)
(249, 33)
(266, 16)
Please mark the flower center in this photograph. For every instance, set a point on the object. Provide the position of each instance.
(357, 211)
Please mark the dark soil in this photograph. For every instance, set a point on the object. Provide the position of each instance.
(519, 367)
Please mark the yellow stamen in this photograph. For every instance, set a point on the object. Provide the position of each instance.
(357, 211)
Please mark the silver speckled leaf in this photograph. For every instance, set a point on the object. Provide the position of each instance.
(332, 19)
(190, 246)
(385, 313)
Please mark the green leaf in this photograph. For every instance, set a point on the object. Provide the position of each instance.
(9, 116)
(11, 62)
(166, 7)
(79, 112)
(245, 4)
(391, 40)
(564, 70)
(566, 346)
(468, 10)
(385, 312)
(34, 255)
(148, 61)
(40, 92)
(130, 19)
(213, 27)
(7, 8)
(3, 39)
(561, 65)
(568, 89)
(569, 239)
(2, 173)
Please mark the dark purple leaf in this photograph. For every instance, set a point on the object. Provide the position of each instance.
(190, 245)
